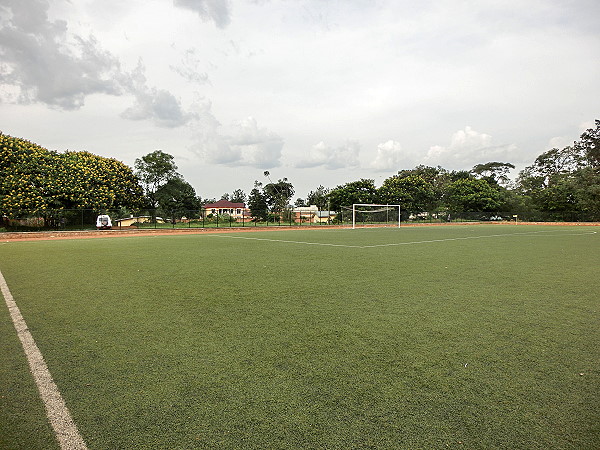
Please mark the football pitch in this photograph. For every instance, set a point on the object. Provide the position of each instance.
(465, 336)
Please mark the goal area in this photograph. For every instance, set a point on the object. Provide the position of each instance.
(375, 215)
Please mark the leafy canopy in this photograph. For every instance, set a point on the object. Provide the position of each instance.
(361, 191)
(154, 170)
(412, 192)
(257, 202)
(33, 178)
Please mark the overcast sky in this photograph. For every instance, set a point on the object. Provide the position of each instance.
(321, 92)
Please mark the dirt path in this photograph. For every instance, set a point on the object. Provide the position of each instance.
(53, 235)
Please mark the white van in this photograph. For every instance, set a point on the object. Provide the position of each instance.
(103, 222)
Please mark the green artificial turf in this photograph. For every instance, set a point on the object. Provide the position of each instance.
(23, 423)
(475, 336)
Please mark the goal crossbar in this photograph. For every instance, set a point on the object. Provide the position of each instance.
(381, 207)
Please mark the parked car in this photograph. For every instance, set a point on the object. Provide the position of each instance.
(103, 222)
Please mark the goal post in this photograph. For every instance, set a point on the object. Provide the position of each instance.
(372, 214)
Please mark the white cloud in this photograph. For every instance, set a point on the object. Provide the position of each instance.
(584, 126)
(47, 64)
(469, 139)
(209, 143)
(309, 71)
(158, 105)
(322, 155)
(189, 68)
(558, 142)
(467, 148)
(243, 144)
(215, 10)
(258, 147)
(216, 150)
(389, 156)
(154, 104)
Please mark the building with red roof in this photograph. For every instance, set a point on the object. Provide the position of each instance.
(225, 207)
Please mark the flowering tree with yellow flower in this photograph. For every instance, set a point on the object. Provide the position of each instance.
(33, 178)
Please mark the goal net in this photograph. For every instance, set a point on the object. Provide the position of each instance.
(373, 215)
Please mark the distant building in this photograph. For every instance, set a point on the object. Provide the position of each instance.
(136, 220)
(312, 214)
(224, 207)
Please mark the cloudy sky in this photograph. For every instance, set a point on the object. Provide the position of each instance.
(318, 91)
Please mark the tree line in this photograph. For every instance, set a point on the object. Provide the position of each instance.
(560, 183)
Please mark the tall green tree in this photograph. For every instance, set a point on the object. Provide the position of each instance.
(361, 191)
(154, 170)
(564, 183)
(549, 165)
(549, 181)
(559, 196)
(427, 173)
(472, 195)
(589, 146)
(318, 197)
(177, 198)
(437, 177)
(569, 196)
(412, 193)
(278, 195)
(257, 202)
(456, 175)
(494, 172)
(588, 193)
(239, 196)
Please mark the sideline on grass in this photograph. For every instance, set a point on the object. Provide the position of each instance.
(62, 423)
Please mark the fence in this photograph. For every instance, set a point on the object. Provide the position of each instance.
(85, 219)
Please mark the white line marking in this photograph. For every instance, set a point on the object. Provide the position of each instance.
(64, 427)
(325, 244)
(395, 244)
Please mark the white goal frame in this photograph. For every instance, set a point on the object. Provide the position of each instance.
(354, 205)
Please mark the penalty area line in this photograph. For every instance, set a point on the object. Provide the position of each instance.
(58, 414)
